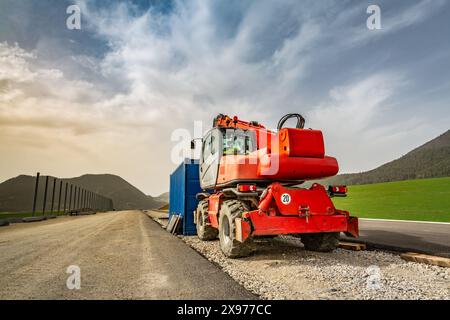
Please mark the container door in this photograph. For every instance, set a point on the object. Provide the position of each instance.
(209, 166)
(177, 191)
(192, 188)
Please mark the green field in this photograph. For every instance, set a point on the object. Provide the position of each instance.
(422, 200)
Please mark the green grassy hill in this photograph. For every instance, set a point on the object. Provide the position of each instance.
(421, 200)
(430, 160)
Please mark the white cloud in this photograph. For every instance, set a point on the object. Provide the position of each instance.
(186, 66)
(348, 120)
(13, 62)
(356, 126)
(60, 126)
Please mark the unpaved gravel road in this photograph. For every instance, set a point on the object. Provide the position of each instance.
(122, 255)
(280, 268)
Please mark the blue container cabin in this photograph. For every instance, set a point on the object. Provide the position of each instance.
(184, 186)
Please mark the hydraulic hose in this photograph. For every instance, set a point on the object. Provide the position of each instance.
(300, 121)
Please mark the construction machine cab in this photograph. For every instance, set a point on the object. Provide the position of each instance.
(236, 151)
(219, 143)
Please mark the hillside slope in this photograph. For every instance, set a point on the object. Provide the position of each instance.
(420, 199)
(16, 194)
(164, 197)
(431, 160)
(125, 196)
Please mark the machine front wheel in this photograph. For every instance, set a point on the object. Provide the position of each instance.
(321, 242)
(231, 247)
(205, 231)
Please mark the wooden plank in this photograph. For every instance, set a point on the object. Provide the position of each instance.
(176, 227)
(238, 229)
(425, 258)
(171, 223)
(352, 246)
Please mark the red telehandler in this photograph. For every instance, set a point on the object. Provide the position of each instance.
(252, 179)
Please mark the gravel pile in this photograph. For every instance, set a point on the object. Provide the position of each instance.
(280, 268)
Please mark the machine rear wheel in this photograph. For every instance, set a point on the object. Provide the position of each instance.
(321, 242)
(230, 247)
(205, 231)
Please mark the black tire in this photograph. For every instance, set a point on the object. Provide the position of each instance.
(321, 242)
(231, 248)
(205, 231)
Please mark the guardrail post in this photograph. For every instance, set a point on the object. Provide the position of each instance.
(36, 187)
(79, 198)
(65, 198)
(59, 198)
(75, 198)
(45, 196)
(53, 195)
(75, 192)
(70, 199)
(82, 199)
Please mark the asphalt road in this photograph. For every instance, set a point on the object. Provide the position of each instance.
(422, 237)
(121, 255)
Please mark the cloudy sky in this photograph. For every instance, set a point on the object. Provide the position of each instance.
(107, 98)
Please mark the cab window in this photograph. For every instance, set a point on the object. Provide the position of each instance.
(206, 149)
(238, 142)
